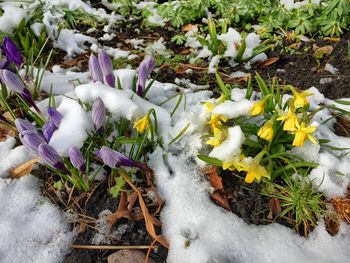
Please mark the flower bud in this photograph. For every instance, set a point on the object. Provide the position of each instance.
(10, 51)
(48, 129)
(51, 157)
(107, 68)
(55, 116)
(24, 125)
(31, 140)
(98, 113)
(77, 158)
(145, 69)
(95, 69)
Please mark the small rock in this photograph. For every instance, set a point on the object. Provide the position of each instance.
(326, 80)
(128, 256)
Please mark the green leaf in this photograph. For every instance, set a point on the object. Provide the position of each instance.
(210, 160)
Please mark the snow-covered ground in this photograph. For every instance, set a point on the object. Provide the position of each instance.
(32, 227)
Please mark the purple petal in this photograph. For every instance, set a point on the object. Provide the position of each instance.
(24, 125)
(31, 140)
(12, 81)
(50, 156)
(115, 159)
(145, 69)
(27, 96)
(95, 69)
(48, 129)
(77, 158)
(10, 51)
(55, 116)
(106, 67)
(98, 113)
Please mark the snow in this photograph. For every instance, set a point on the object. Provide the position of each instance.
(231, 39)
(31, 228)
(73, 127)
(213, 63)
(233, 109)
(118, 102)
(116, 52)
(230, 149)
(11, 17)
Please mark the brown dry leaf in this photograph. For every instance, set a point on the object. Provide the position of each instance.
(333, 39)
(147, 216)
(185, 51)
(188, 27)
(326, 50)
(342, 207)
(6, 131)
(269, 61)
(275, 208)
(23, 169)
(121, 212)
(295, 45)
(216, 180)
(221, 201)
(132, 198)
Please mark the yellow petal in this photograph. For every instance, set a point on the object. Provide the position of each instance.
(249, 178)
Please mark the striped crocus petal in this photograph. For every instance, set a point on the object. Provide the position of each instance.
(51, 157)
(48, 129)
(107, 68)
(23, 125)
(12, 81)
(95, 69)
(145, 69)
(55, 116)
(31, 140)
(115, 159)
(10, 51)
(98, 113)
(77, 158)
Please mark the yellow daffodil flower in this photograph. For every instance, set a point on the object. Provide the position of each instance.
(258, 108)
(209, 106)
(302, 133)
(233, 166)
(255, 171)
(142, 124)
(300, 99)
(219, 137)
(290, 120)
(266, 131)
(216, 120)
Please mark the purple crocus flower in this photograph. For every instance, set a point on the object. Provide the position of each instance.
(10, 51)
(15, 83)
(24, 125)
(95, 69)
(48, 129)
(77, 158)
(31, 140)
(107, 68)
(115, 159)
(146, 67)
(51, 157)
(55, 116)
(98, 113)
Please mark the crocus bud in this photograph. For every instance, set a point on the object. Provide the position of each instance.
(12, 81)
(115, 159)
(15, 83)
(146, 67)
(48, 129)
(98, 113)
(10, 51)
(77, 158)
(95, 69)
(31, 140)
(107, 68)
(24, 125)
(55, 116)
(51, 157)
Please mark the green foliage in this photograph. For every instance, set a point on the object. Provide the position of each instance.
(179, 39)
(300, 200)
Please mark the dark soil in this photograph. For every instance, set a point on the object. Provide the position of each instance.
(88, 206)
